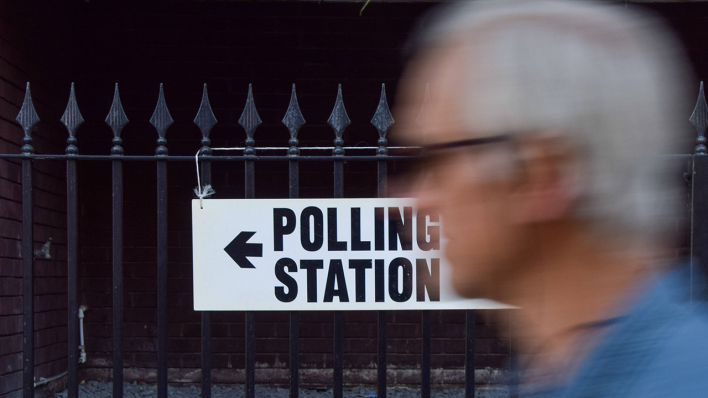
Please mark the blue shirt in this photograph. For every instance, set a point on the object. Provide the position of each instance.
(658, 348)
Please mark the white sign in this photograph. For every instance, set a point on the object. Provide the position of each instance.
(320, 254)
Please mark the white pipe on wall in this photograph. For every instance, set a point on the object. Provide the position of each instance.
(82, 356)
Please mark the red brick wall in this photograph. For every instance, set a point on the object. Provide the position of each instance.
(27, 53)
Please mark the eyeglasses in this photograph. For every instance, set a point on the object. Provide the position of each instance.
(432, 158)
(428, 149)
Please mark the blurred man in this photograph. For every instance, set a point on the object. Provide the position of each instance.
(546, 128)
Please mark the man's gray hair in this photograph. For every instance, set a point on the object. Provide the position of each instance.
(611, 79)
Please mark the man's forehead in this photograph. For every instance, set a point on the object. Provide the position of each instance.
(429, 108)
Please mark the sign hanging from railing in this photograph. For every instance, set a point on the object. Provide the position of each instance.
(320, 254)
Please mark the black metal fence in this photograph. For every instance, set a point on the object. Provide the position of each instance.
(696, 175)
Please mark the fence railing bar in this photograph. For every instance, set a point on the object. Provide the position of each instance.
(293, 181)
(338, 315)
(250, 315)
(469, 353)
(294, 354)
(425, 355)
(338, 120)
(161, 120)
(206, 120)
(72, 119)
(382, 120)
(206, 315)
(698, 236)
(117, 192)
(150, 158)
(161, 279)
(27, 280)
(382, 185)
(382, 350)
(72, 279)
(117, 119)
(206, 354)
(250, 121)
(250, 386)
(294, 120)
(513, 363)
(314, 148)
(27, 118)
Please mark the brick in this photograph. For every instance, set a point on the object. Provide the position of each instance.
(271, 330)
(184, 345)
(139, 359)
(489, 346)
(361, 330)
(413, 317)
(403, 331)
(50, 336)
(94, 344)
(272, 345)
(10, 228)
(139, 344)
(48, 319)
(11, 382)
(10, 363)
(10, 209)
(50, 302)
(184, 360)
(360, 360)
(309, 330)
(10, 286)
(49, 353)
(447, 361)
(10, 305)
(227, 345)
(49, 286)
(352, 345)
(10, 325)
(315, 345)
(315, 360)
(51, 368)
(11, 267)
(10, 344)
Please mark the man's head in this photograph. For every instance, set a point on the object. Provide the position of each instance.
(592, 98)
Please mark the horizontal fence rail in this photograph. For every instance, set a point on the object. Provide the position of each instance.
(205, 120)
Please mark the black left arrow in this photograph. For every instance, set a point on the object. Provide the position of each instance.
(239, 249)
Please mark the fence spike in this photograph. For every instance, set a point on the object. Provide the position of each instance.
(162, 120)
(161, 117)
(205, 118)
(72, 119)
(339, 120)
(699, 119)
(116, 119)
(426, 98)
(293, 118)
(250, 120)
(27, 118)
(382, 120)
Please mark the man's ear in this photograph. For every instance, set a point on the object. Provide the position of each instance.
(547, 184)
